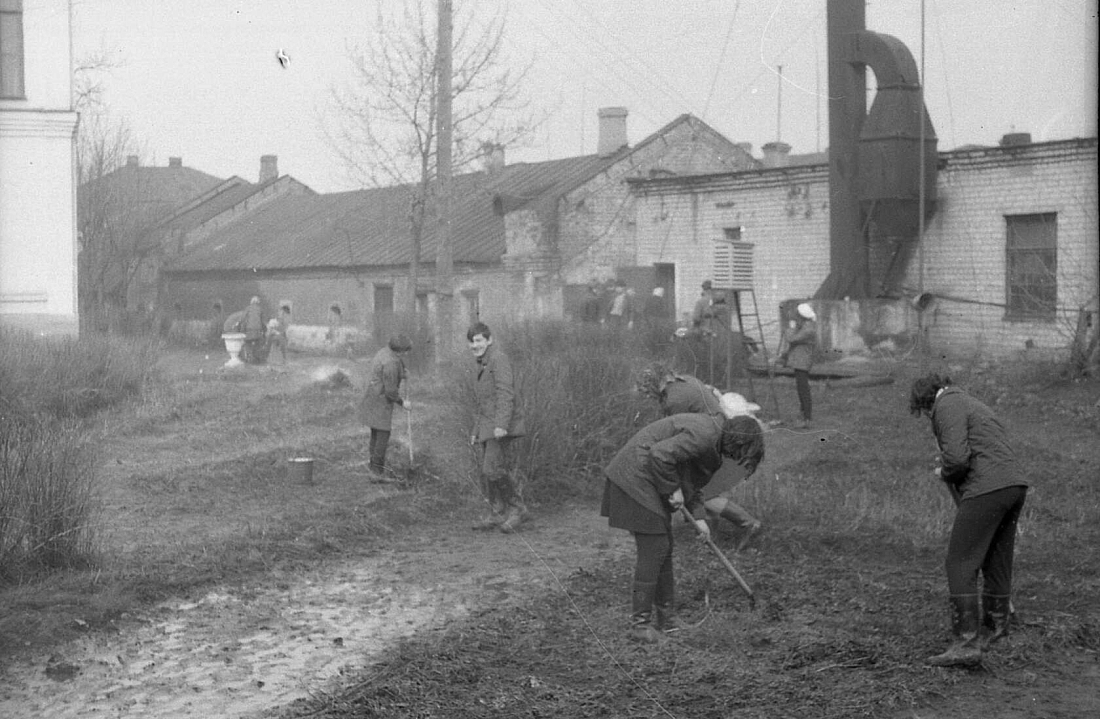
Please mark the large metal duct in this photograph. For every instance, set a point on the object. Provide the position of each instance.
(874, 159)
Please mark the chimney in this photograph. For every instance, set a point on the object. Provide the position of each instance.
(175, 162)
(269, 168)
(746, 146)
(1016, 138)
(132, 161)
(776, 154)
(612, 131)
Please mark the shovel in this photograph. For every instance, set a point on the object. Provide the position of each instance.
(725, 561)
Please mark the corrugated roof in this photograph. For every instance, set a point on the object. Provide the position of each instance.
(155, 191)
(371, 227)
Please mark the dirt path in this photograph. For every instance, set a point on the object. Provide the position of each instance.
(243, 651)
(238, 652)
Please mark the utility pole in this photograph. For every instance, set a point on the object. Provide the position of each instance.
(444, 260)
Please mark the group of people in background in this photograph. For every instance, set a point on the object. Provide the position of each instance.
(618, 307)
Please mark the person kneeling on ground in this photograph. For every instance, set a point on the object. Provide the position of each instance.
(386, 373)
(498, 422)
(662, 468)
(978, 464)
(682, 393)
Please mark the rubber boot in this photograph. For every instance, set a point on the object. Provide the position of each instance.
(996, 618)
(642, 628)
(966, 651)
(665, 603)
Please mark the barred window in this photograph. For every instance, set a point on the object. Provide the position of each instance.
(11, 49)
(1032, 266)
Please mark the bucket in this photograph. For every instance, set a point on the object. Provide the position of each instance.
(301, 468)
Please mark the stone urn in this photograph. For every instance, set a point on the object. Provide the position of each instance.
(234, 343)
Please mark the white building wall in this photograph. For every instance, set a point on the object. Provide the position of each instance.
(37, 188)
(965, 246)
(784, 214)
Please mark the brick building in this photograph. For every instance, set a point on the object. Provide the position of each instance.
(1009, 256)
(522, 231)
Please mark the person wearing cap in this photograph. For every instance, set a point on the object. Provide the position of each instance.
(662, 468)
(679, 393)
(498, 422)
(978, 464)
(384, 379)
(799, 357)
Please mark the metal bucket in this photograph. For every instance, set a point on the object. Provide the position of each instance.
(301, 469)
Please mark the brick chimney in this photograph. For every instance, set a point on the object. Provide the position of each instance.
(776, 154)
(175, 162)
(132, 161)
(612, 131)
(1015, 138)
(269, 168)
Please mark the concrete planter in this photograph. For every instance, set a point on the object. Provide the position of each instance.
(234, 343)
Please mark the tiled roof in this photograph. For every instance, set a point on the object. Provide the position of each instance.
(371, 227)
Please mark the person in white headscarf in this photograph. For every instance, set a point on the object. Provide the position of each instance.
(799, 356)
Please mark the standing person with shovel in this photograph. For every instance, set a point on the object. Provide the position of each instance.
(386, 373)
(498, 421)
(661, 469)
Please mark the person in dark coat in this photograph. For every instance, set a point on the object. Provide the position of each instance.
(592, 310)
(681, 393)
(799, 356)
(498, 421)
(654, 312)
(663, 467)
(386, 373)
(978, 463)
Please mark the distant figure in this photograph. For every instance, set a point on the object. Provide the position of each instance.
(498, 418)
(590, 311)
(799, 356)
(654, 312)
(254, 326)
(618, 311)
(335, 319)
(702, 313)
(276, 332)
(386, 373)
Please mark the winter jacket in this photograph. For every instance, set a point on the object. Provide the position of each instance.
(496, 402)
(387, 370)
(677, 452)
(974, 449)
(684, 393)
(800, 345)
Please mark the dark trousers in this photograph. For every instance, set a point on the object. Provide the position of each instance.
(379, 440)
(497, 460)
(983, 539)
(805, 399)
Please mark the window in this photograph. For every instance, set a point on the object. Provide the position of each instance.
(473, 306)
(11, 48)
(383, 298)
(1031, 260)
(733, 234)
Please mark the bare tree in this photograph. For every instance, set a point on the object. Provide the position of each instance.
(383, 125)
(112, 219)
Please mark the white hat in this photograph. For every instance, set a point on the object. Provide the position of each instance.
(806, 311)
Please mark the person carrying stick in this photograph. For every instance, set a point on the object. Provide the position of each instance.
(662, 468)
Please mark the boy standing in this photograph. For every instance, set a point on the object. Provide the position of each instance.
(498, 421)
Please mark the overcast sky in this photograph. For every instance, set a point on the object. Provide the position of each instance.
(199, 78)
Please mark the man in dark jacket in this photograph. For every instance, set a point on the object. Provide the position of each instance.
(498, 421)
(663, 467)
(979, 466)
(799, 356)
(386, 373)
